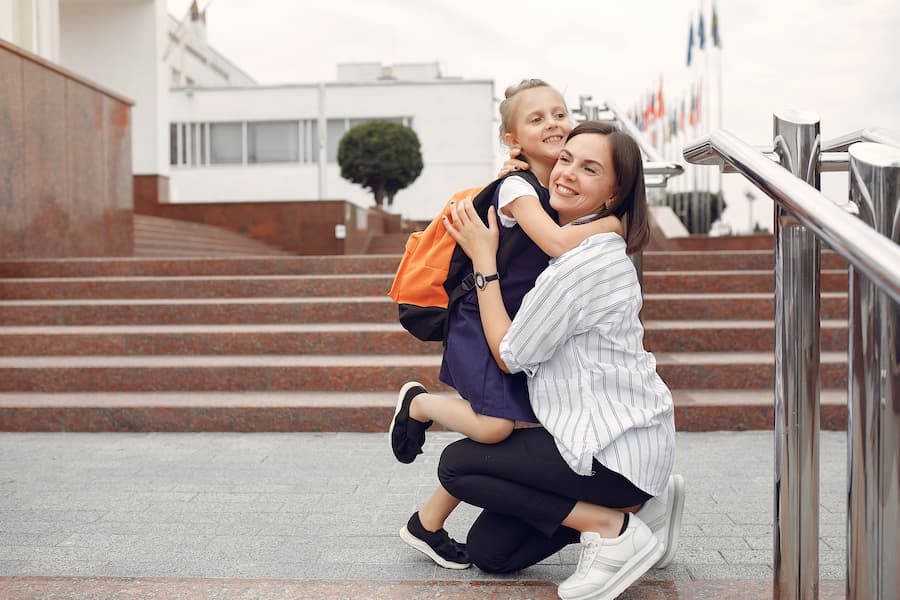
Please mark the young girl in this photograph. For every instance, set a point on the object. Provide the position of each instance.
(534, 120)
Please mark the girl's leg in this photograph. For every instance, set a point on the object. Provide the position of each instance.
(425, 532)
(436, 509)
(456, 414)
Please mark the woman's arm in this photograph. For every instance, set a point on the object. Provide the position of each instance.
(548, 235)
(480, 243)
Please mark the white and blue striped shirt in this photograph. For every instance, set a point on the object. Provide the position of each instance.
(592, 385)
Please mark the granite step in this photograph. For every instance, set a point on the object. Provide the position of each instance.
(157, 235)
(181, 267)
(717, 260)
(456, 587)
(762, 260)
(693, 370)
(674, 282)
(196, 287)
(199, 311)
(752, 306)
(695, 410)
(354, 338)
(729, 282)
(371, 309)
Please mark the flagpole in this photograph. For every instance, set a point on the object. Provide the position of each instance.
(717, 44)
(706, 219)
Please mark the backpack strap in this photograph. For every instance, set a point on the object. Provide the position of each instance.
(460, 280)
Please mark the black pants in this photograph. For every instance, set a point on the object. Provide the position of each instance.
(526, 490)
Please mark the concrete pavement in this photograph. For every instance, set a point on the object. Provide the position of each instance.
(326, 507)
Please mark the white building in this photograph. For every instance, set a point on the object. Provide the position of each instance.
(280, 142)
(202, 127)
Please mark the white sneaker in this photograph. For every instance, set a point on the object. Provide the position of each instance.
(609, 565)
(662, 515)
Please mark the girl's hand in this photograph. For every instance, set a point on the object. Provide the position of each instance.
(478, 241)
(512, 164)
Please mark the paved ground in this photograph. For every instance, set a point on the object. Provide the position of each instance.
(327, 507)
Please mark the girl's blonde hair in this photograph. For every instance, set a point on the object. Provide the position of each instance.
(506, 105)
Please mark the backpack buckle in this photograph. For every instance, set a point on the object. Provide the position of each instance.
(468, 283)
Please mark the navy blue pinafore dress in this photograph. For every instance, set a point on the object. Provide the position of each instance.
(468, 364)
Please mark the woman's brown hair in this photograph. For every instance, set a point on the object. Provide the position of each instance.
(631, 195)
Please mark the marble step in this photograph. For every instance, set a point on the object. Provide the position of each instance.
(369, 309)
(354, 338)
(695, 410)
(759, 260)
(731, 260)
(181, 267)
(674, 282)
(461, 585)
(350, 373)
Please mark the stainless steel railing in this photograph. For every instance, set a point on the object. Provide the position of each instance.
(803, 217)
(657, 170)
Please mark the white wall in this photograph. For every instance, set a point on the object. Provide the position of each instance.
(453, 120)
(185, 40)
(32, 25)
(119, 45)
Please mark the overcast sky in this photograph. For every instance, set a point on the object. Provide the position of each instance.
(840, 58)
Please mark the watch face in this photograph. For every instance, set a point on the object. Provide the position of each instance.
(479, 281)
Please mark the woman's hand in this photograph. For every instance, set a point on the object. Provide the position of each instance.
(512, 164)
(478, 241)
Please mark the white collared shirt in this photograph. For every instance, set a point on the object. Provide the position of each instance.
(592, 385)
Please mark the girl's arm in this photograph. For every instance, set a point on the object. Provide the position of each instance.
(480, 243)
(548, 235)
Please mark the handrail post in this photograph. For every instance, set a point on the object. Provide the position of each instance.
(797, 283)
(873, 427)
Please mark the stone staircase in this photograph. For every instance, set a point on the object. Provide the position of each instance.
(157, 236)
(312, 343)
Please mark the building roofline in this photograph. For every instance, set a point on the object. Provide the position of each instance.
(174, 22)
(332, 84)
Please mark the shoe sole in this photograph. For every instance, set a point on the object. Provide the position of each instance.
(676, 495)
(406, 387)
(631, 571)
(425, 549)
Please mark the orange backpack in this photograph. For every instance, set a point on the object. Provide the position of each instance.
(434, 272)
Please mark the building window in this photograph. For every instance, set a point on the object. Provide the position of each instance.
(173, 144)
(273, 142)
(258, 142)
(226, 143)
(336, 128)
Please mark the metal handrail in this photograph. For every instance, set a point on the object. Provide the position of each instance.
(655, 164)
(878, 135)
(870, 252)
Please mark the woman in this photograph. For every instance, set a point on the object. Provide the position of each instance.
(608, 441)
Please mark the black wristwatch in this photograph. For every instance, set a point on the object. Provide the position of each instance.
(481, 280)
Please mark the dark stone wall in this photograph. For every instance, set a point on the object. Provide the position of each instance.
(65, 163)
(306, 228)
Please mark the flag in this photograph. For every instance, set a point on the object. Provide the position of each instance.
(690, 42)
(717, 41)
(699, 96)
(701, 32)
(660, 106)
(692, 118)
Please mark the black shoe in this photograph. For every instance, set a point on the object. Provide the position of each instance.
(407, 436)
(438, 545)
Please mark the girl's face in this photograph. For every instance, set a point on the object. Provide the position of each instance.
(540, 124)
(583, 182)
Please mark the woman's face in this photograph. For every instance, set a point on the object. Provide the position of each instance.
(583, 181)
